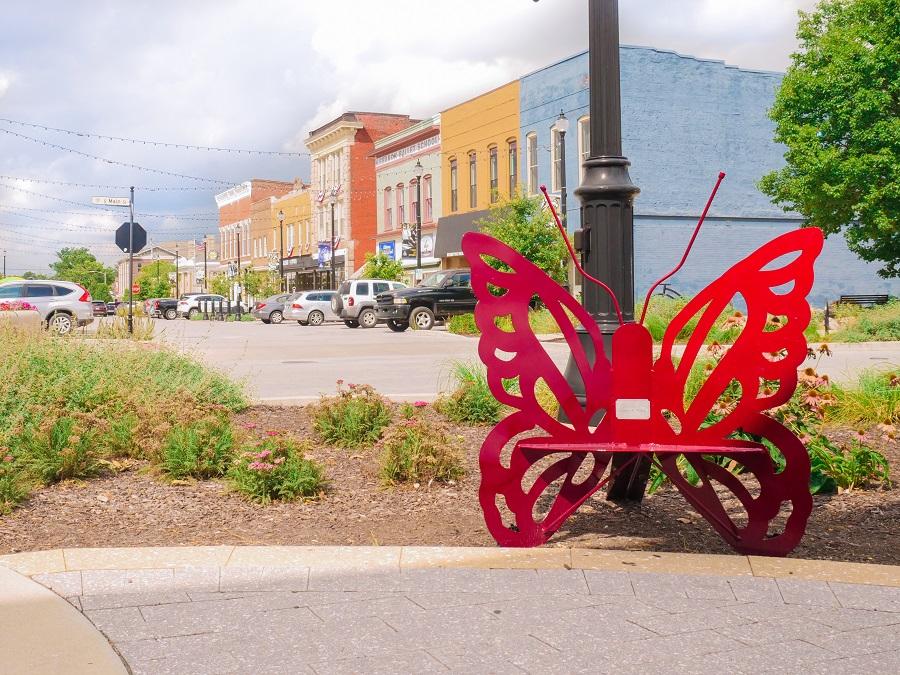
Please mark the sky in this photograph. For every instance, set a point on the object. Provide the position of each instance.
(259, 75)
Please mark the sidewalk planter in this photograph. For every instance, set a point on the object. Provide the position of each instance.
(20, 315)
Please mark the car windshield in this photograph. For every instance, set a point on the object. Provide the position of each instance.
(435, 279)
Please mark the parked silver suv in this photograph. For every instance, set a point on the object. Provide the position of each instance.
(63, 305)
(355, 303)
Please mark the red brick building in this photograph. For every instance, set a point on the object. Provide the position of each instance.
(342, 180)
(234, 217)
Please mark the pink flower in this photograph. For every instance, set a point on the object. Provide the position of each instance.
(249, 425)
(279, 460)
(260, 466)
(420, 404)
(273, 433)
(8, 458)
(263, 454)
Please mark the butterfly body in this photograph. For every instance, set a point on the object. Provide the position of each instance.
(537, 470)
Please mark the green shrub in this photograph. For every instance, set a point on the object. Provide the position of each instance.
(419, 450)
(471, 401)
(663, 310)
(847, 467)
(865, 324)
(57, 449)
(353, 418)
(874, 400)
(200, 450)
(276, 469)
(117, 329)
(14, 487)
(463, 324)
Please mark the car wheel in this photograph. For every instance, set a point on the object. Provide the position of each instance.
(397, 326)
(350, 323)
(276, 317)
(303, 323)
(171, 314)
(422, 318)
(315, 318)
(192, 312)
(367, 318)
(61, 324)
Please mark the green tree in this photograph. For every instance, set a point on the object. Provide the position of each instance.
(82, 267)
(838, 113)
(380, 266)
(522, 223)
(154, 280)
(260, 284)
(219, 284)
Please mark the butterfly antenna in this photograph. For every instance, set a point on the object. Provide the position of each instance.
(572, 255)
(687, 250)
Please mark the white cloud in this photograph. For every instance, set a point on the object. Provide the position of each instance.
(262, 73)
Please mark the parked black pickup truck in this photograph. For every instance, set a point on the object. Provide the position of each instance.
(165, 308)
(439, 296)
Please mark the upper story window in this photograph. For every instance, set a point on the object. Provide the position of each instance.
(454, 186)
(414, 201)
(428, 214)
(473, 180)
(556, 177)
(531, 161)
(388, 210)
(584, 142)
(401, 204)
(513, 154)
(494, 171)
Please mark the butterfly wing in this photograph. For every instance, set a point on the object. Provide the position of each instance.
(516, 361)
(762, 365)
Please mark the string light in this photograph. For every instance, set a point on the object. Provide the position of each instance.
(113, 161)
(153, 188)
(162, 144)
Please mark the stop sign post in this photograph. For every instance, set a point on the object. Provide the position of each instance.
(129, 237)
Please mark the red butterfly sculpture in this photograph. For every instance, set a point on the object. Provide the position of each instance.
(542, 469)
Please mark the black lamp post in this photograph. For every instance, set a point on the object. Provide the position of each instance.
(281, 249)
(333, 254)
(562, 126)
(607, 213)
(419, 170)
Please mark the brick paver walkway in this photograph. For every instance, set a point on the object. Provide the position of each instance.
(294, 620)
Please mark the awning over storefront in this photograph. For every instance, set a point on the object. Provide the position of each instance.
(299, 263)
(451, 230)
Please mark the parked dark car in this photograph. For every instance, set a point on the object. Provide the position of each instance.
(439, 296)
(164, 308)
(100, 308)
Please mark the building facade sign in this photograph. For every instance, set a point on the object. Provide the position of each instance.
(234, 194)
(413, 149)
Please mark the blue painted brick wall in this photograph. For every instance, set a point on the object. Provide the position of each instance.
(683, 120)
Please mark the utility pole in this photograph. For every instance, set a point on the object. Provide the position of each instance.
(562, 126)
(281, 250)
(205, 272)
(240, 285)
(419, 170)
(177, 289)
(131, 262)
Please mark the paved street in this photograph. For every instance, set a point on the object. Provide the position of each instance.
(359, 611)
(290, 363)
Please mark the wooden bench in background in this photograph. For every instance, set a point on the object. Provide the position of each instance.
(863, 300)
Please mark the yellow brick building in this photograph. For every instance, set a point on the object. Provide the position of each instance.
(480, 150)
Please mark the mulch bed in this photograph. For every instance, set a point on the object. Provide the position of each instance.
(135, 508)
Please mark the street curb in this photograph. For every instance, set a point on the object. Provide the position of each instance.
(395, 558)
(40, 633)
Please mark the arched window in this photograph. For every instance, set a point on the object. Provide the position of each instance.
(513, 155)
(494, 172)
(413, 201)
(428, 214)
(454, 185)
(584, 142)
(388, 210)
(401, 204)
(555, 160)
(531, 162)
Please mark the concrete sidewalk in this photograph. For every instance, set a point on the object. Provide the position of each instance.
(405, 609)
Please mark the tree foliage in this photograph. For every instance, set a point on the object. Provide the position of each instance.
(260, 284)
(154, 280)
(838, 113)
(522, 223)
(219, 284)
(82, 267)
(381, 266)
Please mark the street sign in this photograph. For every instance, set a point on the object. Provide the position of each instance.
(135, 288)
(139, 237)
(111, 201)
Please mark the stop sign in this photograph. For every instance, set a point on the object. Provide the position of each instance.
(135, 288)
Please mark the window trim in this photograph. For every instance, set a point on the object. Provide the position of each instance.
(512, 152)
(473, 179)
(494, 173)
(454, 184)
(531, 162)
(584, 124)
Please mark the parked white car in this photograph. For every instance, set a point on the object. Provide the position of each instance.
(62, 305)
(311, 308)
(355, 303)
(189, 304)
